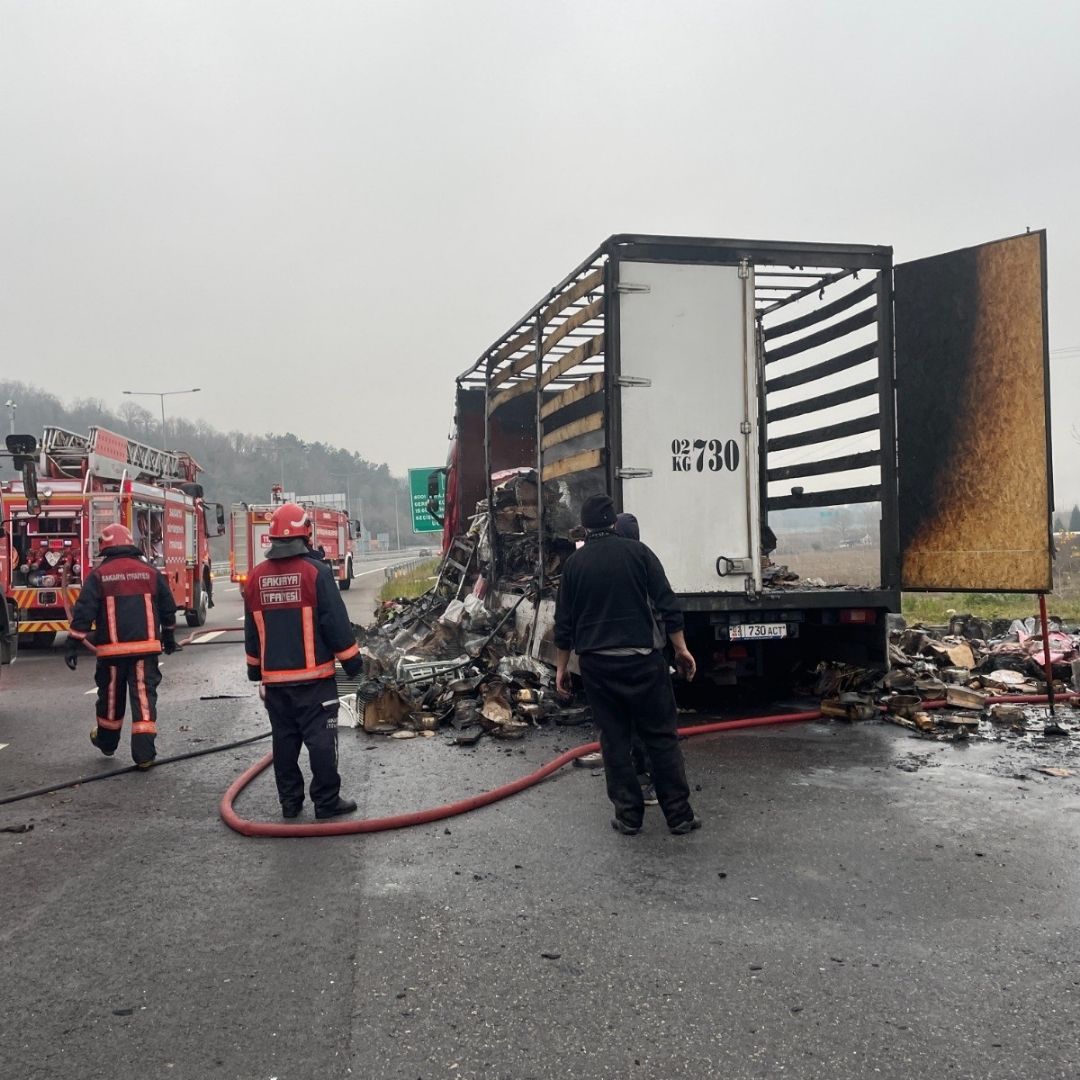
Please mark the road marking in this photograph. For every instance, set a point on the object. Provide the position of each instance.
(4, 745)
(241, 619)
(202, 639)
(378, 570)
(235, 588)
(87, 693)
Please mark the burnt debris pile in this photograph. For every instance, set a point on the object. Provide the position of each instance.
(458, 660)
(942, 681)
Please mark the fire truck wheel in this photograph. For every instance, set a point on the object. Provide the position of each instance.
(346, 581)
(197, 615)
(42, 639)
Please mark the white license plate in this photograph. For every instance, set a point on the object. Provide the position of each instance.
(758, 631)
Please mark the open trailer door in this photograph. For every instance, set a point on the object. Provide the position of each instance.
(688, 420)
(973, 419)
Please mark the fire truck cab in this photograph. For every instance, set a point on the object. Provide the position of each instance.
(332, 533)
(71, 487)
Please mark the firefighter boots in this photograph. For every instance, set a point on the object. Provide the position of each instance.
(335, 809)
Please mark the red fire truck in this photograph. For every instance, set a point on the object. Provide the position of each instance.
(333, 532)
(71, 487)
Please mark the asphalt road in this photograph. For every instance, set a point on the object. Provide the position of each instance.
(858, 904)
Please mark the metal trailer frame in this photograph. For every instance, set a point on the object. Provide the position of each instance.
(568, 341)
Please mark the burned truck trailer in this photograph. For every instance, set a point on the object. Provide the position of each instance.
(741, 397)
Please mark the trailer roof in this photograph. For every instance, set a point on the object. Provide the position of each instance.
(659, 248)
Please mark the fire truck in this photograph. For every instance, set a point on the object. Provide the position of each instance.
(332, 531)
(73, 485)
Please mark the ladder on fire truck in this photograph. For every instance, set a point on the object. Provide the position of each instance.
(69, 450)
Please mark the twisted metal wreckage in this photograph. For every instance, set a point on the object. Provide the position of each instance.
(470, 654)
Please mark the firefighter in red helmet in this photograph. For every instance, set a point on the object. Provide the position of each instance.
(295, 627)
(127, 603)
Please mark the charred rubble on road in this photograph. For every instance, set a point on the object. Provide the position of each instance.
(942, 681)
(459, 660)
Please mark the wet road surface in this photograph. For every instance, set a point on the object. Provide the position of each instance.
(838, 916)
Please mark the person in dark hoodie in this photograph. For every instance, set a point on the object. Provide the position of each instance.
(609, 591)
(295, 627)
(128, 603)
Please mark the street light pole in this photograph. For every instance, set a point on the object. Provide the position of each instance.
(162, 394)
(397, 518)
(11, 406)
(347, 477)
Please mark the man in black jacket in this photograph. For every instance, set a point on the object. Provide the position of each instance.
(608, 593)
(128, 603)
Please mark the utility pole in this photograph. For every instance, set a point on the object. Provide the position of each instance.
(11, 406)
(397, 518)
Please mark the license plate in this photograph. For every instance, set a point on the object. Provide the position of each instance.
(758, 631)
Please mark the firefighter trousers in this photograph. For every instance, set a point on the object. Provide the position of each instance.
(628, 695)
(305, 714)
(117, 679)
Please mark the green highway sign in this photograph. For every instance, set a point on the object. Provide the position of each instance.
(422, 521)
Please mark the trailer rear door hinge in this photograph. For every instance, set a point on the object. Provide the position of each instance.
(744, 268)
(632, 380)
(745, 428)
(632, 474)
(626, 286)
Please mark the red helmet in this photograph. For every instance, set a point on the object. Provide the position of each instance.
(115, 535)
(289, 521)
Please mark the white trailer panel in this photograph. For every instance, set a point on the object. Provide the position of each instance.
(689, 438)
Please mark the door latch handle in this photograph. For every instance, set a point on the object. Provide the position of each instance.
(726, 566)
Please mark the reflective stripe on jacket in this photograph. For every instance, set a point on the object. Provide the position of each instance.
(126, 601)
(295, 621)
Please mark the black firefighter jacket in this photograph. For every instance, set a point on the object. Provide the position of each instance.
(295, 622)
(126, 600)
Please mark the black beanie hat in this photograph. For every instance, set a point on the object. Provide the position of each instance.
(598, 512)
(626, 525)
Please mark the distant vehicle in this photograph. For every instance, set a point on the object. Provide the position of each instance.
(73, 485)
(332, 531)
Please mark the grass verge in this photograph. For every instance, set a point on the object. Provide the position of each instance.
(413, 583)
(933, 608)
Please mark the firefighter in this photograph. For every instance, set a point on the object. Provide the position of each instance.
(133, 615)
(295, 625)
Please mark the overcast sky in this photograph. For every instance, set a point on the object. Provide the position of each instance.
(322, 212)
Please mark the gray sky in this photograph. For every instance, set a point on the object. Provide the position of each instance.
(322, 212)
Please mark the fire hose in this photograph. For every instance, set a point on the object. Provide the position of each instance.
(504, 791)
(158, 762)
(438, 813)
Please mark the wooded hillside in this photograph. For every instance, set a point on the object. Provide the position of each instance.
(239, 466)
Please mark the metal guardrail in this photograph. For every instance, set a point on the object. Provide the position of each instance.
(222, 569)
(402, 568)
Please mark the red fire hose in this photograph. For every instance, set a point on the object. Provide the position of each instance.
(474, 802)
(462, 806)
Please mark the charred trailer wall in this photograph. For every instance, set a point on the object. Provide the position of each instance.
(512, 444)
